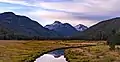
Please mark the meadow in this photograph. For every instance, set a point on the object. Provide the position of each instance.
(99, 53)
(28, 51)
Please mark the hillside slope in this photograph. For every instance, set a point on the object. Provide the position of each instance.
(102, 30)
(24, 25)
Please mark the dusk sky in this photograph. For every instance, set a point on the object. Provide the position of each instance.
(87, 12)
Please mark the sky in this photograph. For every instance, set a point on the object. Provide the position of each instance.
(50, 58)
(87, 12)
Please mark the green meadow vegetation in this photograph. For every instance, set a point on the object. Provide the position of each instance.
(27, 51)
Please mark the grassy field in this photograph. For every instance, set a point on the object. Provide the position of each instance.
(26, 51)
(99, 53)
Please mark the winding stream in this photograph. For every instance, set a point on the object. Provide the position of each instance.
(57, 55)
(54, 56)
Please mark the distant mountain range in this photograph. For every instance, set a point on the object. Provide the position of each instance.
(65, 29)
(14, 26)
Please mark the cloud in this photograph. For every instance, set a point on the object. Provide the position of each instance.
(86, 6)
(51, 0)
(86, 12)
(49, 17)
(14, 1)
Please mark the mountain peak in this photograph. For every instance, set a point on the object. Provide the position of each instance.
(64, 29)
(8, 13)
(67, 25)
(80, 27)
(57, 22)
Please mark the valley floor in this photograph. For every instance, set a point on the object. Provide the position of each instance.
(26, 51)
(99, 53)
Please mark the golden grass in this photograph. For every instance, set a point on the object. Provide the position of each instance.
(26, 51)
(99, 53)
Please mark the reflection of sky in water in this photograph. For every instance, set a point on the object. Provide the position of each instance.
(54, 56)
(50, 58)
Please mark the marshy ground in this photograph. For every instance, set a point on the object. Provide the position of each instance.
(26, 51)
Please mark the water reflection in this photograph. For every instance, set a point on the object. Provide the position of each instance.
(54, 56)
(57, 53)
